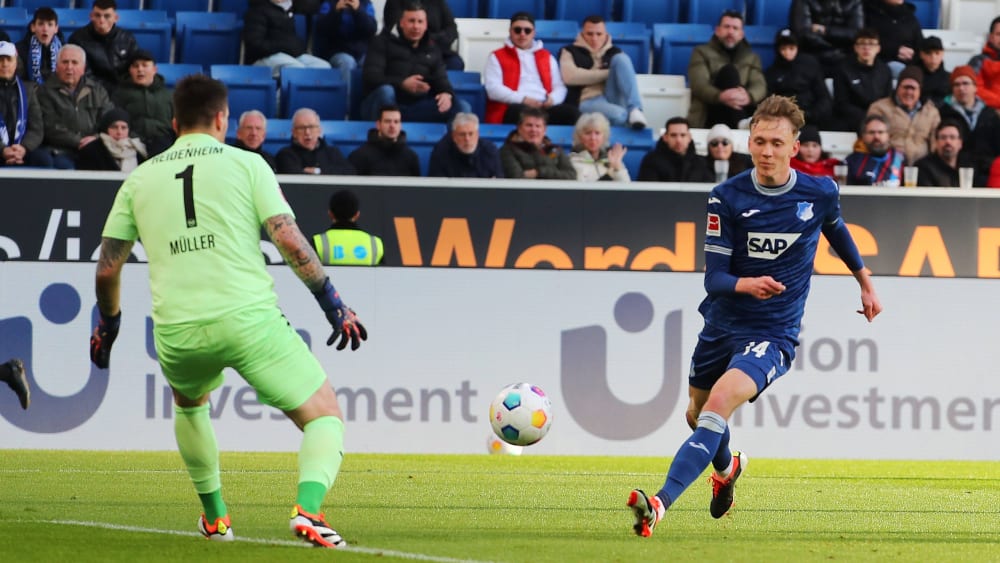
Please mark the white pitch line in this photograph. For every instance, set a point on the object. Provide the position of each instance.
(288, 543)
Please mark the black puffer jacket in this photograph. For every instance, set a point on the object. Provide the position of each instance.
(295, 158)
(842, 20)
(107, 55)
(662, 164)
(441, 26)
(391, 59)
(897, 26)
(855, 87)
(382, 157)
(802, 77)
(267, 30)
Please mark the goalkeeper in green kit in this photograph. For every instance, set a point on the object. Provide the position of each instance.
(198, 208)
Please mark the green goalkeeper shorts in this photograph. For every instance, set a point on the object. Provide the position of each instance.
(259, 344)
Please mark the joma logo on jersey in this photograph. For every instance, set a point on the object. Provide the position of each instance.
(769, 245)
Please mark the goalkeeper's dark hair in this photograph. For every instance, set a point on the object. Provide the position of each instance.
(197, 100)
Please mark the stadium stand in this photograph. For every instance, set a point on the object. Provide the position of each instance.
(31, 5)
(174, 6)
(477, 38)
(769, 12)
(152, 30)
(959, 46)
(651, 11)
(971, 15)
(321, 89)
(421, 137)
(673, 43)
(14, 21)
(708, 11)
(468, 86)
(663, 96)
(635, 39)
(928, 13)
(235, 6)
(72, 19)
(250, 87)
(504, 9)
(556, 34)
(464, 8)
(761, 39)
(207, 38)
(578, 9)
(279, 133)
(172, 72)
(349, 135)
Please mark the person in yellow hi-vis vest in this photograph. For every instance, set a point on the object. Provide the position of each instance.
(344, 243)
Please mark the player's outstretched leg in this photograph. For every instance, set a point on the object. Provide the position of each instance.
(12, 373)
(314, 529)
(220, 530)
(648, 512)
(723, 487)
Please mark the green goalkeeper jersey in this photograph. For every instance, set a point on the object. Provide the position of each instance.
(197, 208)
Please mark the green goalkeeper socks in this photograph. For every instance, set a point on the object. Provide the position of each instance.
(320, 455)
(200, 452)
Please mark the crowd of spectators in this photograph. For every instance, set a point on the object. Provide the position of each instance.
(59, 95)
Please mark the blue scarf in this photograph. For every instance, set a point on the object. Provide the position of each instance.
(22, 118)
(36, 57)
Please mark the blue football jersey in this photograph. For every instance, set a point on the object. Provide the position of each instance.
(767, 231)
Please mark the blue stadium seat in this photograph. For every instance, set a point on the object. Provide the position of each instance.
(708, 11)
(208, 38)
(151, 29)
(464, 8)
(761, 39)
(171, 7)
(122, 4)
(651, 12)
(928, 13)
(496, 132)
(556, 34)
(14, 21)
(172, 72)
(320, 89)
(635, 39)
(578, 9)
(278, 136)
(673, 43)
(72, 19)
(348, 135)
(561, 135)
(769, 12)
(638, 144)
(250, 87)
(421, 137)
(504, 9)
(235, 6)
(468, 86)
(31, 5)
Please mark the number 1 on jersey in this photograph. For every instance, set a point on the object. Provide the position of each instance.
(188, 176)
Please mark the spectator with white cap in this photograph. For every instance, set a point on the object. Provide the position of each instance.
(721, 148)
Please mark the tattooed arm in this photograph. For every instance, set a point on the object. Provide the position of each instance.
(296, 250)
(114, 254)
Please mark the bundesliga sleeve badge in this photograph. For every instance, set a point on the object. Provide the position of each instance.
(714, 225)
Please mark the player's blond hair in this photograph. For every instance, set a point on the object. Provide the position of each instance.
(777, 107)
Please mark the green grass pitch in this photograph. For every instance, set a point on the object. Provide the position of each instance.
(140, 506)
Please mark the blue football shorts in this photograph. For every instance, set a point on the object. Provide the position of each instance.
(763, 357)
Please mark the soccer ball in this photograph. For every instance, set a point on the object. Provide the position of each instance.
(496, 446)
(521, 414)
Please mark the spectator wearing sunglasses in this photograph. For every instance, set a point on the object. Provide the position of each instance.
(720, 147)
(522, 74)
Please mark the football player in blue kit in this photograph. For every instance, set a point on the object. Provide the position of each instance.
(761, 238)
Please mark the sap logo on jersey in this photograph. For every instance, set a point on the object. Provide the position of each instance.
(769, 245)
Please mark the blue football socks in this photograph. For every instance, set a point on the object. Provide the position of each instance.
(694, 456)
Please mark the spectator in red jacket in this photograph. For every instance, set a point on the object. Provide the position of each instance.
(811, 158)
(987, 67)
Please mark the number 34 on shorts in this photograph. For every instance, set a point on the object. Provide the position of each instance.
(763, 360)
